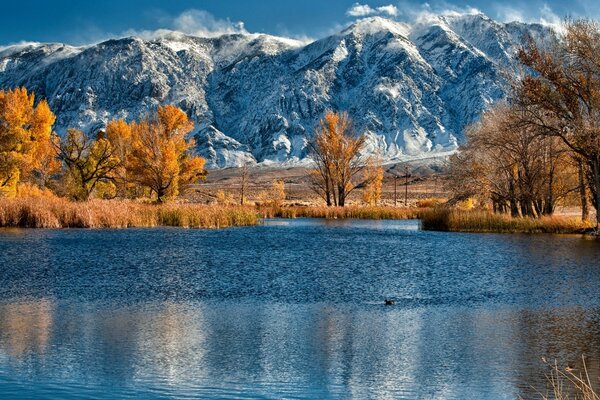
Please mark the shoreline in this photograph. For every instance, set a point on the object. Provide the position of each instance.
(59, 213)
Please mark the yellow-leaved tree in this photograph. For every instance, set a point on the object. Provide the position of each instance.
(373, 180)
(25, 133)
(119, 134)
(336, 152)
(90, 163)
(161, 158)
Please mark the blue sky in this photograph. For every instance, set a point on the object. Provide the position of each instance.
(82, 21)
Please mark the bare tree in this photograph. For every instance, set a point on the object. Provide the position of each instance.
(511, 163)
(562, 97)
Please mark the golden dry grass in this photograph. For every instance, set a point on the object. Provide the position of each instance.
(443, 219)
(43, 212)
(567, 383)
(430, 202)
(348, 212)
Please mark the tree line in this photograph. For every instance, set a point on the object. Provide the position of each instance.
(153, 158)
(147, 158)
(527, 154)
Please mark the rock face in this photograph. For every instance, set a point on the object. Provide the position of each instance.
(256, 98)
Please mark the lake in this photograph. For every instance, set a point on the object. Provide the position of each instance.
(293, 309)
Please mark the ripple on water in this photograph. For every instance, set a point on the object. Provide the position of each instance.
(292, 309)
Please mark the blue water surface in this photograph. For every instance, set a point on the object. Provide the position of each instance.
(293, 309)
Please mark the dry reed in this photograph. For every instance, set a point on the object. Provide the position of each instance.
(51, 212)
(567, 383)
(348, 212)
(443, 219)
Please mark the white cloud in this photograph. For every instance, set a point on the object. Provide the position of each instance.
(389, 10)
(202, 23)
(365, 10)
(548, 17)
(360, 10)
(544, 15)
(192, 22)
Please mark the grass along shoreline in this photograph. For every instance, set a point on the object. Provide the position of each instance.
(443, 219)
(347, 212)
(53, 212)
(43, 212)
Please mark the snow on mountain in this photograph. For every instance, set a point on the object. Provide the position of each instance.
(256, 98)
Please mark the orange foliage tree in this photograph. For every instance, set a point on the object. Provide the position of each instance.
(25, 147)
(90, 162)
(336, 150)
(160, 157)
(373, 181)
(119, 134)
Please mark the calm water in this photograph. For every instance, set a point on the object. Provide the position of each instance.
(292, 309)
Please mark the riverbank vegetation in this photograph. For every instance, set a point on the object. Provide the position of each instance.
(456, 220)
(540, 147)
(348, 212)
(568, 383)
(54, 212)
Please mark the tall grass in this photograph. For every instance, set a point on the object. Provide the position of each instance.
(43, 212)
(568, 384)
(443, 219)
(354, 212)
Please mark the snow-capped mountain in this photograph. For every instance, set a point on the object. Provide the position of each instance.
(411, 88)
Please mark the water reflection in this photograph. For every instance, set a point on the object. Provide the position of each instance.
(264, 349)
(292, 310)
(25, 327)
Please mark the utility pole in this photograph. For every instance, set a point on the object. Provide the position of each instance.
(245, 173)
(395, 190)
(406, 175)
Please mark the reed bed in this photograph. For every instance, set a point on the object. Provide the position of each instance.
(348, 212)
(60, 213)
(443, 219)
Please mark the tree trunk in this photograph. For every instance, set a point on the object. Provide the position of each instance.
(160, 195)
(341, 196)
(514, 207)
(585, 211)
(595, 169)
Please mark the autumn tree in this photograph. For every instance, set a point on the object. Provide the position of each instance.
(25, 148)
(161, 156)
(275, 196)
(372, 181)
(278, 192)
(519, 170)
(562, 95)
(119, 135)
(335, 150)
(90, 162)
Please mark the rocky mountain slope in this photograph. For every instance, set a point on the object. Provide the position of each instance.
(411, 88)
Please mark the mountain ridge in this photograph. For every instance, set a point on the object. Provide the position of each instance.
(411, 88)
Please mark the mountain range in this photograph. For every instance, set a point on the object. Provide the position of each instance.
(411, 88)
